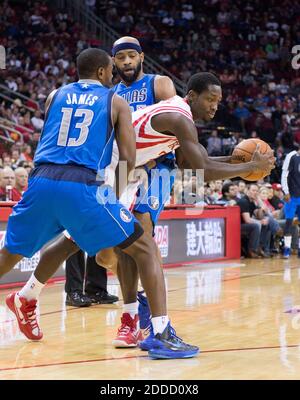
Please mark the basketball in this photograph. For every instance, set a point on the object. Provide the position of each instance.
(243, 152)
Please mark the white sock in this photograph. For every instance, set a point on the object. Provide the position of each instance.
(159, 323)
(287, 241)
(142, 293)
(131, 308)
(32, 288)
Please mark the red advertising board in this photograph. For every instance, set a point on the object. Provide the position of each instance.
(183, 234)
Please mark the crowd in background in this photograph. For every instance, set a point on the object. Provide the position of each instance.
(41, 47)
(246, 43)
(261, 206)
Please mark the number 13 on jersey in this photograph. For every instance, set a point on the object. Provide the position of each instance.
(63, 136)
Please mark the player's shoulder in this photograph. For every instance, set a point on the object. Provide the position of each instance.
(68, 86)
(162, 78)
(50, 98)
(118, 101)
(292, 155)
(117, 86)
(176, 102)
(163, 87)
(176, 108)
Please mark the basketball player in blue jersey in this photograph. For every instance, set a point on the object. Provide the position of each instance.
(139, 90)
(66, 192)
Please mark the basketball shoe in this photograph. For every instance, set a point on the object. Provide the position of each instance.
(25, 312)
(286, 252)
(129, 333)
(147, 343)
(144, 311)
(168, 345)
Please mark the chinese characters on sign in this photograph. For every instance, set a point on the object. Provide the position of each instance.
(204, 237)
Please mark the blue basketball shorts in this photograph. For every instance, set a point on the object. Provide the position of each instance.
(152, 198)
(292, 207)
(67, 197)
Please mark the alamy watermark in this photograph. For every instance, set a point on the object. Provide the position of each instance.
(152, 187)
(2, 57)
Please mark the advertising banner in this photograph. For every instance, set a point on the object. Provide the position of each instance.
(190, 240)
(23, 270)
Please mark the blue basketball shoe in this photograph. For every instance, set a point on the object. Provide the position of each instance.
(143, 311)
(286, 252)
(167, 345)
(147, 343)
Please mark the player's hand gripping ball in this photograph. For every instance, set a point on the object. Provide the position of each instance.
(244, 151)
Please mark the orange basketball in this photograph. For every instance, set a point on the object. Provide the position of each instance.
(243, 152)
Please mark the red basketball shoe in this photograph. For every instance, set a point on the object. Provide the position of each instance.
(24, 310)
(129, 333)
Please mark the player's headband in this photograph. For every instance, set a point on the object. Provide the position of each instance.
(126, 46)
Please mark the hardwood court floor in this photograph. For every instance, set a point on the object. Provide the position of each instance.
(245, 318)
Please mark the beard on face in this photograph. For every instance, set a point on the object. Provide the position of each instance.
(131, 78)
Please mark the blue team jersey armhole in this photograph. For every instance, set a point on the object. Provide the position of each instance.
(153, 89)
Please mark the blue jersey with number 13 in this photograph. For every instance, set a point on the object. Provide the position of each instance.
(78, 128)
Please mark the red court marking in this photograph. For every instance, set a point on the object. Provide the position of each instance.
(69, 362)
(145, 356)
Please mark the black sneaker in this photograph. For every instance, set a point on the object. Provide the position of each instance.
(103, 298)
(168, 345)
(78, 299)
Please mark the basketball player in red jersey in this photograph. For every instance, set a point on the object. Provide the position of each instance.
(159, 129)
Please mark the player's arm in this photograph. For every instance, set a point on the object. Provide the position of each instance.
(286, 169)
(164, 88)
(197, 156)
(226, 159)
(125, 136)
(284, 175)
(183, 163)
